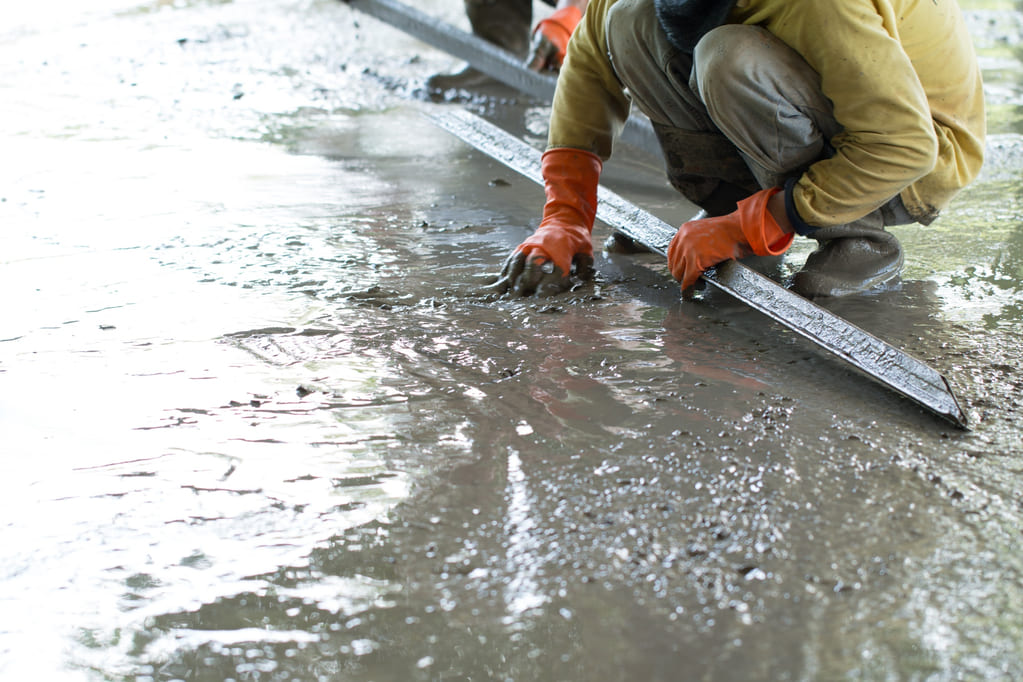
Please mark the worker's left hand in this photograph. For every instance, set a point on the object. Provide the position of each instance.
(749, 230)
(550, 39)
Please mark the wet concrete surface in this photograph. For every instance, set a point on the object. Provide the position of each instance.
(260, 424)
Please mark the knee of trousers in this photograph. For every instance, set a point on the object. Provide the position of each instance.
(734, 63)
(656, 74)
(636, 43)
(514, 12)
(730, 50)
(505, 23)
(628, 26)
(764, 97)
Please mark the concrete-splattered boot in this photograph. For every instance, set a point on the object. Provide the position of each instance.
(505, 23)
(850, 259)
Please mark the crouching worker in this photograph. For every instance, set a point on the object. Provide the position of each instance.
(830, 119)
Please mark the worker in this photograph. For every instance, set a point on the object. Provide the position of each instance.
(506, 23)
(830, 119)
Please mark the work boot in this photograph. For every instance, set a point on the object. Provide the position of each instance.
(504, 23)
(850, 259)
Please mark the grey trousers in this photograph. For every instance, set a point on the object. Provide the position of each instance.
(503, 22)
(744, 112)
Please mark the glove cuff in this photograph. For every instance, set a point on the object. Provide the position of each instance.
(798, 224)
(570, 178)
(558, 27)
(761, 230)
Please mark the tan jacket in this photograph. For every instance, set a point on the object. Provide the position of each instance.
(902, 75)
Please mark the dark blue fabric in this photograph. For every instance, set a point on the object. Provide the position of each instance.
(798, 223)
(686, 21)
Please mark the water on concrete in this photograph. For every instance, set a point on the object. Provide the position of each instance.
(259, 424)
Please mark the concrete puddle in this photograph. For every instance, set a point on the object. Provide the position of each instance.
(260, 424)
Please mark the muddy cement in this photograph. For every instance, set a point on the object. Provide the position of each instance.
(260, 425)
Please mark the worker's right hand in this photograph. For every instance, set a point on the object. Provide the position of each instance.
(561, 247)
(550, 39)
(749, 230)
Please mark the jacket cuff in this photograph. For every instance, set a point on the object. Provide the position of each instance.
(800, 226)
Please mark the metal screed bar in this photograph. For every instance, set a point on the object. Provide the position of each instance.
(878, 359)
(489, 59)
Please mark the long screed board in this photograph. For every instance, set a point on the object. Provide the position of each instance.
(878, 359)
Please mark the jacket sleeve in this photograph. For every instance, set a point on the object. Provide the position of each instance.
(590, 105)
(880, 63)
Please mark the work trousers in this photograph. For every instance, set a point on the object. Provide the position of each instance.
(506, 23)
(742, 113)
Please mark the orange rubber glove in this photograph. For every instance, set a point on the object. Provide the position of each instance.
(550, 38)
(749, 230)
(542, 263)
